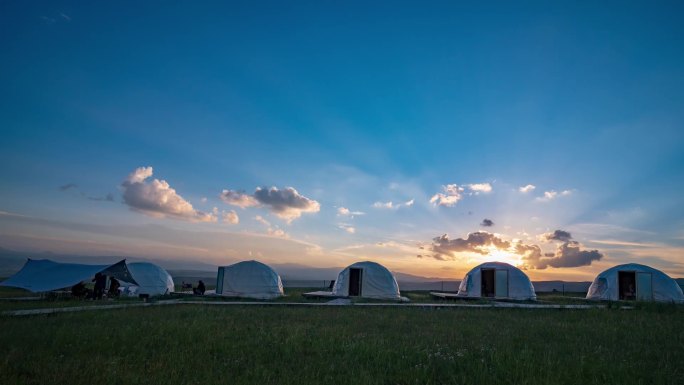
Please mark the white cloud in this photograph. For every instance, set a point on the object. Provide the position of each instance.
(551, 195)
(384, 205)
(348, 228)
(392, 206)
(263, 221)
(526, 189)
(480, 187)
(450, 196)
(230, 217)
(158, 199)
(286, 204)
(278, 233)
(345, 212)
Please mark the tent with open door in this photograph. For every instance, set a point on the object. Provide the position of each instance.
(497, 280)
(249, 279)
(41, 275)
(151, 280)
(633, 281)
(366, 279)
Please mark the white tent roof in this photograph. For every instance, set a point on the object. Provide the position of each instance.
(663, 288)
(249, 279)
(40, 275)
(376, 281)
(519, 286)
(151, 279)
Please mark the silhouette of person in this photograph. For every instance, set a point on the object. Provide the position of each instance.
(200, 289)
(100, 283)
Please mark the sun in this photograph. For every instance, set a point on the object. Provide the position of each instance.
(499, 255)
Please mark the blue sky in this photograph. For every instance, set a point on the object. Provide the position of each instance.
(351, 105)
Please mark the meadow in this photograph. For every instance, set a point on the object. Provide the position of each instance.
(195, 344)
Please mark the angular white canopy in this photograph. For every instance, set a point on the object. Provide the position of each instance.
(502, 281)
(151, 279)
(376, 282)
(40, 275)
(639, 282)
(249, 279)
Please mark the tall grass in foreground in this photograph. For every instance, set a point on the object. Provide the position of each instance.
(344, 345)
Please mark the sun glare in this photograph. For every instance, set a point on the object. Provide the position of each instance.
(499, 255)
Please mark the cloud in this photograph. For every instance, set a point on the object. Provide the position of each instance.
(286, 204)
(551, 195)
(261, 220)
(568, 254)
(68, 186)
(449, 197)
(487, 223)
(348, 228)
(238, 198)
(558, 235)
(65, 16)
(72, 186)
(480, 187)
(391, 205)
(345, 212)
(478, 242)
(452, 193)
(278, 233)
(526, 189)
(158, 199)
(230, 217)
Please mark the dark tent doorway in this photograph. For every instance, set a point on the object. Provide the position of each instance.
(355, 276)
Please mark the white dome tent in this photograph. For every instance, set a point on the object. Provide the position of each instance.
(633, 281)
(496, 280)
(151, 279)
(249, 279)
(368, 280)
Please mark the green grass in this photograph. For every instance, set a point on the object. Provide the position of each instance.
(193, 344)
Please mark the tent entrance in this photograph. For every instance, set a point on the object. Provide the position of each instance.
(644, 287)
(355, 276)
(488, 285)
(627, 285)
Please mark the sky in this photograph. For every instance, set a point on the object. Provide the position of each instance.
(427, 136)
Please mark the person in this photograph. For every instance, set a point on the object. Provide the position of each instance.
(200, 289)
(79, 290)
(113, 287)
(100, 283)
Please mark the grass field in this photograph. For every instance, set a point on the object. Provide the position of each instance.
(194, 344)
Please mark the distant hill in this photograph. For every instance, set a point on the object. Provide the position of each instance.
(292, 273)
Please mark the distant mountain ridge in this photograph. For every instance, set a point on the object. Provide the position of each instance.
(11, 261)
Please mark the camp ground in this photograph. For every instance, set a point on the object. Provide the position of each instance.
(244, 328)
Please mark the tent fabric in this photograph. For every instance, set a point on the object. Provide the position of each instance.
(151, 280)
(41, 275)
(519, 285)
(249, 279)
(606, 287)
(376, 282)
